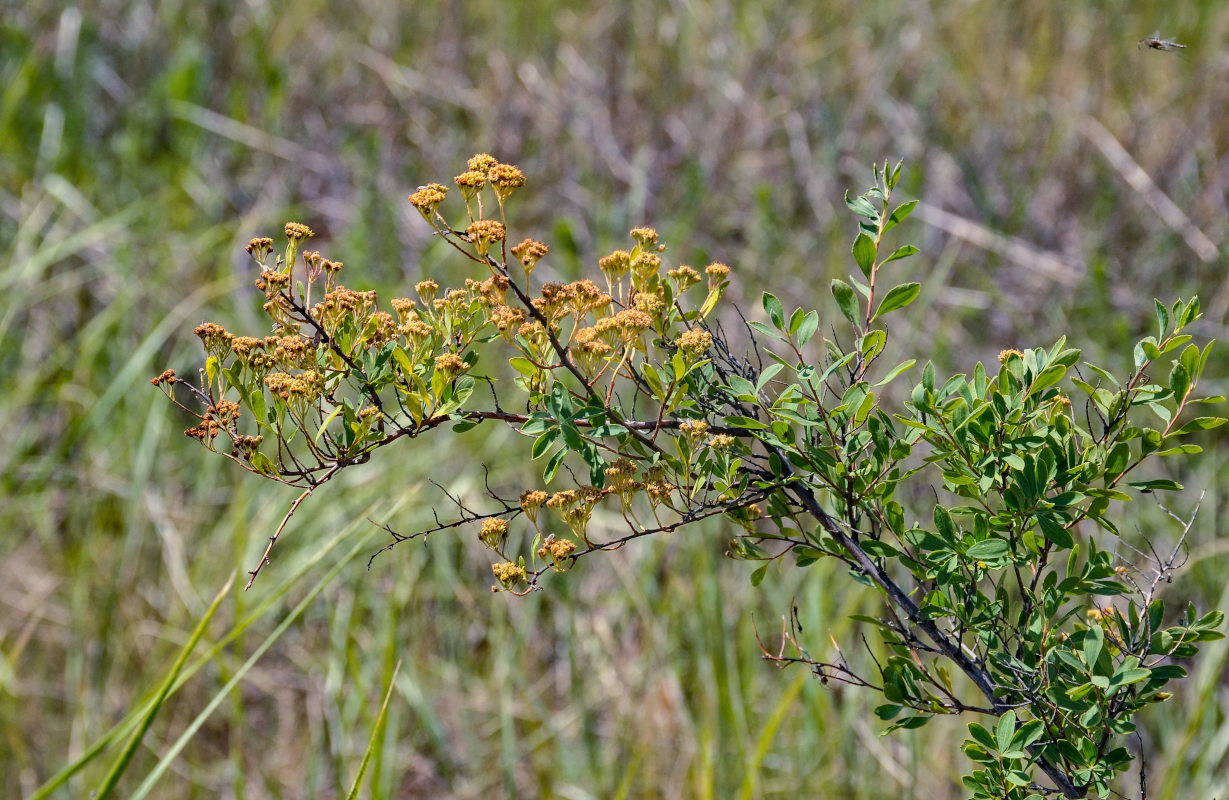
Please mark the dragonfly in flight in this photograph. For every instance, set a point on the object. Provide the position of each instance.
(1155, 42)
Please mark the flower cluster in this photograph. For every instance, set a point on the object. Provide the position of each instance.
(508, 575)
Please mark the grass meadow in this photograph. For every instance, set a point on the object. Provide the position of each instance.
(1066, 178)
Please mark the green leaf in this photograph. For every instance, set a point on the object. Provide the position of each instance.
(772, 307)
(944, 525)
(1161, 485)
(1179, 382)
(1027, 733)
(899, 297)
(896, 371)
(1199, 424)
(760, 327)
(864, 251)
(1054, 531)
(901, 252)
(544, 443)
(1005, 730)
(552, 466)
(1183, 449)
(1048, 377)
(808, 327)
(861, 206)
(982, 736)
(757, 577)
(1125, 677)
(1116, 461)
(323, 425)
(989, 550)
(872, 344)
(899, 215)
(523, 366)
(1094, 641)
(1162, 319)
(846, 300)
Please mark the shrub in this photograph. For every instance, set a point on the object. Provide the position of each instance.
(998, 602)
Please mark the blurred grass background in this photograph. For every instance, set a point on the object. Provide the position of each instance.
(1066, 179)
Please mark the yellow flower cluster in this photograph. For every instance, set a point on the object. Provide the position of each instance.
(494, 532)
(508, 574)
(297, 231)
(530, 252)
(556, 552)
(531, 502)
(428, 198)
(485, 232)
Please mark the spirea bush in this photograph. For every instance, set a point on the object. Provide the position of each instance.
(997, 602)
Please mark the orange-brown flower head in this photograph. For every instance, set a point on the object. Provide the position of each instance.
(470, 183)
(645, 266)
(426, 291)
(485, 232)
(615, 265)
(482, 163)
(380, 328)
(259, 249)
(428, 198)
(298, 390)
(621, 478)
(659, 492)
(531, 502)
(494, 290)
(417, 333)
(694, 429)
(590, 351)
(721, 442)
(505, 179)
(508, 574)
(716, 272)
(294, 352)
(494, 532)
(645, 237)
(214, 337)
(245, 346)
(507, 319)
(403, 306)
(168, 376)
(649, 303)
(533, 333)
(632, 323)
(529, 253)
(1005, 355)
(450, 365)
(684, 278)
(693, 344)
(297, 231)
(584, 296)
(556, 551)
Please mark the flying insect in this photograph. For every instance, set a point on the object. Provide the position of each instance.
(1155, 42)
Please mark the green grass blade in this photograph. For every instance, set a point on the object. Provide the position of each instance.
(121, 728)
(107, 787)
(375, 736)
(779, 713)
(163, 763)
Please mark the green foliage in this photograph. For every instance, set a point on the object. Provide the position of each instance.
(1000, 580)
